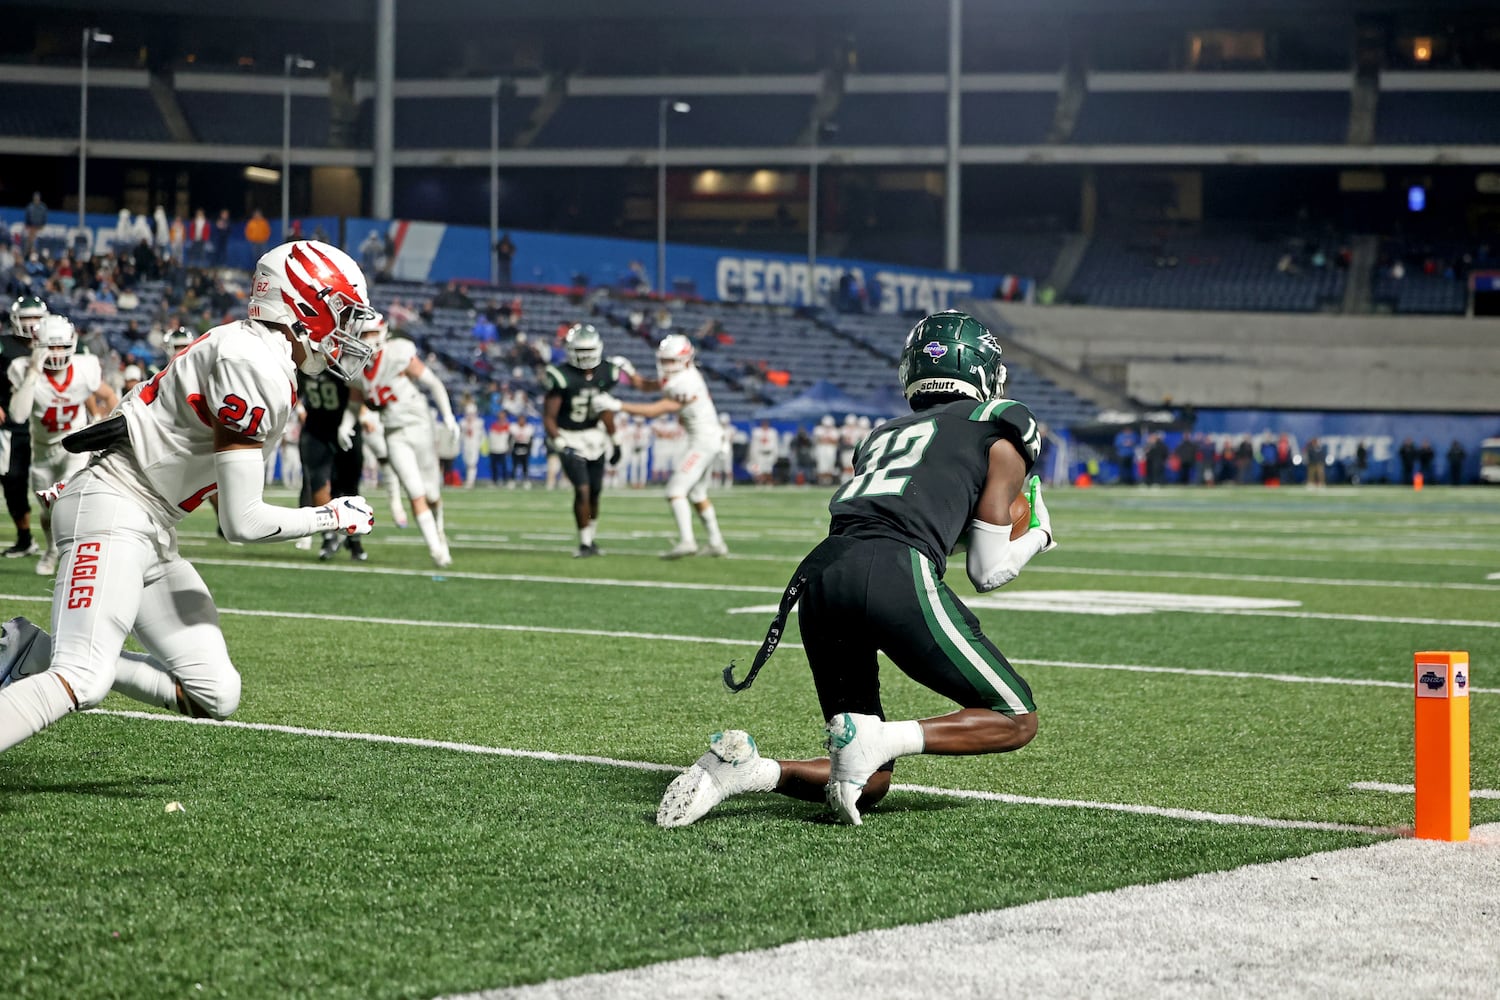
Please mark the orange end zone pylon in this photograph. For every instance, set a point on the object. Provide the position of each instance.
(1442, 728)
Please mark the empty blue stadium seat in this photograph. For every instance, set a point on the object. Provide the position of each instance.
(253, 119)
(891, 120)
(52, 111)
(1461, 117)
(457, 122)
(1002, 118)
(715, 120)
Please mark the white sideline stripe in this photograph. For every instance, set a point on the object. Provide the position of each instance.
(1369, 619)
(1248, 675)
(1378, 786)
(1191, 815)
(1313, 581)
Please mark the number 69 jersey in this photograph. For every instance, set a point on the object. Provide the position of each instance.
(918, 477)
(239, 375)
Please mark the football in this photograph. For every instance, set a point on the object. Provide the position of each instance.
(1020, 516)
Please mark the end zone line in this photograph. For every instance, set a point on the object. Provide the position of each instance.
(1191, 815)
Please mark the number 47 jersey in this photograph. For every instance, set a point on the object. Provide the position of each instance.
(239, 375)
(918, 478)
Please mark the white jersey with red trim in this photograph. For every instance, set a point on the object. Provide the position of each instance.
(57, 408)
(240, 375)
(390, 392)
(700, 419)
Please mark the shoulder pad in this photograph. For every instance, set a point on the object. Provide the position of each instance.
(1015, 418)
(555, 379)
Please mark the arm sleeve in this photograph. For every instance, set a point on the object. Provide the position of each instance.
(23, 391)
(994, 560)
(243, 513)
(434, 388)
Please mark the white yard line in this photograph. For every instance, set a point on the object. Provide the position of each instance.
(1190, 815)
(1379, 786)
(755, 643)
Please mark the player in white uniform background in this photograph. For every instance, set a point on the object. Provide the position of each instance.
(849, 438)
(60, 391)
(723, 471)
(765, 448)
(686, 394)
(376, 456)
(201, 426)
(396, 384)
(470, 434)
(825, 449)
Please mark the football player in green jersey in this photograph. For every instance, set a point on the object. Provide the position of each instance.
(948, 472)
(575, 432)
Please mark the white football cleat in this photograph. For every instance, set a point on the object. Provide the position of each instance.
(681, 550)
(47, 565)
(716, 549)
(856, 750)
(442, 559)
(303, 544)
(24, 650)
(732, 765)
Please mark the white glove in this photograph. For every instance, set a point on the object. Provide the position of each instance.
(451, 425)
(347, 515)
(621, 362)
(38, 359)
(1042, 518)
(605, 403)
(346, 431)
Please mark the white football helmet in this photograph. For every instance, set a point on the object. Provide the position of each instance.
(673, 354)
(374, 331)
(60, 340)
(827, 420)
(583, 346)
(319, 292)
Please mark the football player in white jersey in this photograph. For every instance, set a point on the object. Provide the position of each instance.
(61, 391)
(825, 449)
(471, 433)
(396, 384)
(200, 426)
(686, 394)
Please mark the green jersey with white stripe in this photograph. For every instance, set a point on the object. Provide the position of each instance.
(918, 477)
(578, 389)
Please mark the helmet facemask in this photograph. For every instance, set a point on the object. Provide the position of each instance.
(584, 347)
(60, 340)
(673, 355)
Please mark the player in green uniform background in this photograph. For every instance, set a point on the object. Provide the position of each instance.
(582, 438)
(948, 471)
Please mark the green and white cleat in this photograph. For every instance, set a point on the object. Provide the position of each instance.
(732, 765)
(856, 750)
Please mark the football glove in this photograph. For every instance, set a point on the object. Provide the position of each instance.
(49, 496)
(1042, 518)
(623, 363)
(346, 431)
(346, 515)
(614, 452)
(605, 403)
(451, 425)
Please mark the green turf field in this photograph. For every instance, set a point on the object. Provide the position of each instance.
(1238, 652)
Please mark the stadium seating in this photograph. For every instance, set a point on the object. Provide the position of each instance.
(715, 120)
(453, 122)
(1461, 117)
(1205, 272)
(254, 119)
(891, 120)
(1207, 117)
(52, 112)
(1002, 118)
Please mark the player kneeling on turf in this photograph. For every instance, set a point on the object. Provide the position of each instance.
(200, 426)
(955, 465)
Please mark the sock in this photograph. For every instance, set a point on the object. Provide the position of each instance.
(429, 528)
(30, 705)
(904, 738)
(437, 513)
(140, 677)
(711, 525)
(765, 776)
(586, 534)
(683, 512)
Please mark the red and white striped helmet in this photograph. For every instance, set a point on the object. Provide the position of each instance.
(673, 354)
(319, 292)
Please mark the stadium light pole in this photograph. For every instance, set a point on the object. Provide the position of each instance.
(681, 108)
(495, 182)
(90, 35)
(819, 129)
(292, 62)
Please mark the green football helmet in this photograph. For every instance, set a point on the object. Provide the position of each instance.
(583, 346)
(25, 313)
(951, 354)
